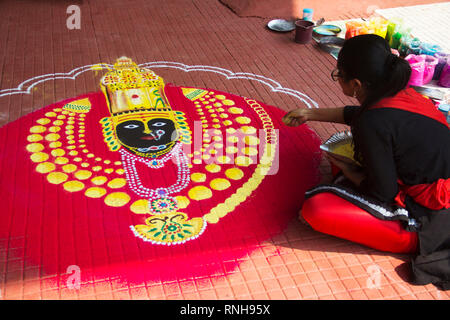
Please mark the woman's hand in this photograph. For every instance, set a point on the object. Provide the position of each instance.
(349, 168)
(300, 116)
(341, 161)
(296, 117)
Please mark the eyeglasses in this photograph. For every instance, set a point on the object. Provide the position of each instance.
(336, 74)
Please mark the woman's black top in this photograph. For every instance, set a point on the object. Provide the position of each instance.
(399, 144)
(416, 149)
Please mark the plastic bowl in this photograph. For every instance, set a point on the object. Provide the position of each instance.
(326, 30)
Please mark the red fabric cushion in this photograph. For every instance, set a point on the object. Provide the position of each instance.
(330, 214)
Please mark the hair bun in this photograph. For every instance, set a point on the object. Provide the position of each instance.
(391, 60)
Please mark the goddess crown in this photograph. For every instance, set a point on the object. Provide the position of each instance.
(132, 92)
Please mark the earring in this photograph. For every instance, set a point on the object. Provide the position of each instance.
(355, 94)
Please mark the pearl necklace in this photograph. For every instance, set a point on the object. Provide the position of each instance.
(154, 163)
(160, 199)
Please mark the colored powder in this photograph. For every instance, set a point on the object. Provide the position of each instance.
(404, 46)
(395, 40)
(442, 61)
(345, 150)
(414, 47)
(390, 31)
(430, 49)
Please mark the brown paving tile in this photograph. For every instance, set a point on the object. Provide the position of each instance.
(315, 277)
(102, 286)
(373, 294)
(86, 290)
(344, 273)
(336, 286)
(276, 295)
(191, 296)
(329, 275)
(104, 296)
(209, 294)
(246, 265)
(408, 297)
(358, 295)
(224, 293)
(343, 296)
(358, 270)
(300, 279)
(309, 266)
(260, 262)
(286, 282)
(275, 260)
(187, 286)
(121, 295)
(235, 279)
(31, 286)
(327, 297)
(266, 273)
(280, 271)
(438, 294)
(50, 295)
(171, 288)
(271, 284)
(250, 276)
(219, 282)
(240, 290)
(260, 296)
(295, 268)
(32, 296)
(139, 293)
(13, 291)
(307, 292)
(289, 258)
(323, 264)
(387, 291)
(203, 284)
(292, 293)
(322, 289)
(351, 284)
(256, 287)
(155, 292)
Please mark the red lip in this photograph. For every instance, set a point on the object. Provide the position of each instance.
(148, 138)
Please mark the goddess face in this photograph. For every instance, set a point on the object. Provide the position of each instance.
(147, 138)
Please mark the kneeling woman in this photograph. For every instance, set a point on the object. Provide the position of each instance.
(397, 199)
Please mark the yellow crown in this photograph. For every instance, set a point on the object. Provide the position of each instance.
(129, 88)
(134, 93)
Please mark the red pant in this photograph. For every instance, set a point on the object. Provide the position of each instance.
(330, 214)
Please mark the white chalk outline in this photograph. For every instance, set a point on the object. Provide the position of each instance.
(28, 85)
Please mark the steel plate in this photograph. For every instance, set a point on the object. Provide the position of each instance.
(281, 25)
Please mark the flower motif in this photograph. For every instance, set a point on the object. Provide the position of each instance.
(163, 205)
(170, 229)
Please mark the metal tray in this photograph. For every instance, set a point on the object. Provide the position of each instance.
(281, 25)
(330, 44)
(327, 30)
(340, 143)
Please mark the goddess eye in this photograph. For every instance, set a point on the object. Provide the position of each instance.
(131, 126)
(159, 124)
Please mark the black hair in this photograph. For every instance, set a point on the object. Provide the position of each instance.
(369, 59)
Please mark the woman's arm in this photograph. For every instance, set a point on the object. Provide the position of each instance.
(349, 168)
(299, 116)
